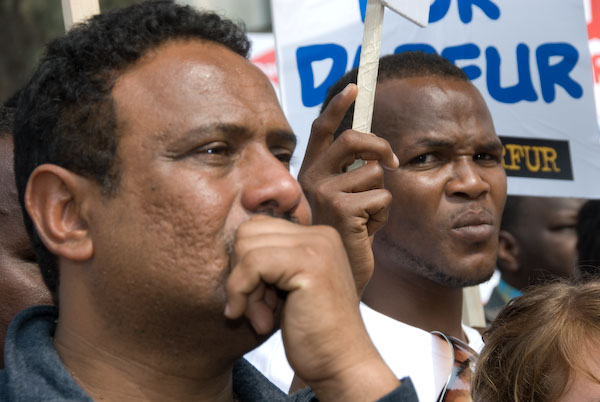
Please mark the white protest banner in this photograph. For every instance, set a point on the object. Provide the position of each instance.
(416, 11)
(530, 60)
(75, 11)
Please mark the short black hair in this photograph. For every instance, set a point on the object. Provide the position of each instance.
(66, 114)
(13, 101)
(7, 117)
(588, 239)
(397, 66)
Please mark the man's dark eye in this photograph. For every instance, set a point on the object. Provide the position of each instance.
(285, 158)
(217, 150)
(283, 155)
(485, 156)
(566, 228)
(422, 159)
(214, 148)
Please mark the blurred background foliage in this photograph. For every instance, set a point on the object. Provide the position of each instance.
(27, 25)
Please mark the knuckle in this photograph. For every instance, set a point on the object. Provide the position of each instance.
(338, 202)
(347, 139)
(376, 169)
(320, 125)
(321, 189)
(386, 197)
(321, 193)
(251, 258)
(243, 231)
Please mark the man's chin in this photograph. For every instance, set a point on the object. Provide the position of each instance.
(468, 272)
(471, 278)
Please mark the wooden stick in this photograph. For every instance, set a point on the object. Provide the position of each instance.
(472, 309)
(367, 71)
(75, 11)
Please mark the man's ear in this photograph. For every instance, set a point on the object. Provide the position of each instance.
(55, 199)
(508, 252)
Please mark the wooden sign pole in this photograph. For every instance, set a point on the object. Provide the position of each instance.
(416, 11)
(75, 11)
(472, 309)
(369, 64)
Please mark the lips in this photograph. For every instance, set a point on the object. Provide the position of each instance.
(474, 226)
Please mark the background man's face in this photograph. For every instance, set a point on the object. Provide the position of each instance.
(203, 145)
(21, 283)
(546, 236)
(450, 189)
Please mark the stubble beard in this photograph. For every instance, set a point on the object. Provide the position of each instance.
(404, 258)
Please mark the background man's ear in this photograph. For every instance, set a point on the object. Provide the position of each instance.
(508, 252)
(55, 199)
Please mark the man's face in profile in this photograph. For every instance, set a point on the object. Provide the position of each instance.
(450, 189)
(203, 145)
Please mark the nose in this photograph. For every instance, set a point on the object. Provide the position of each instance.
(270, 188)
(466, 180)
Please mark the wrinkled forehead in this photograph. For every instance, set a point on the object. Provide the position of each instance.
(193, 82)
(429, 103)
(192, 65)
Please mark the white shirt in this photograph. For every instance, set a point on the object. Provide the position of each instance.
(407, 350)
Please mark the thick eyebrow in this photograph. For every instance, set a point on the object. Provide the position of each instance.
(430, 143)
(229, 129)
(282, 137)
(441, 143)
(491, 146)
(279, 136)
(236, 132)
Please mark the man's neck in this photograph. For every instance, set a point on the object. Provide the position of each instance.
(109, 376)
(149, 356)
(416, 301)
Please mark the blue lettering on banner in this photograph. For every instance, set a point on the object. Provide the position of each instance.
(357, 57)
(363, 9)
(523, 90)
(305, 56)
(550, 75)
(439, 9)
(468, 51)
(557, 74)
